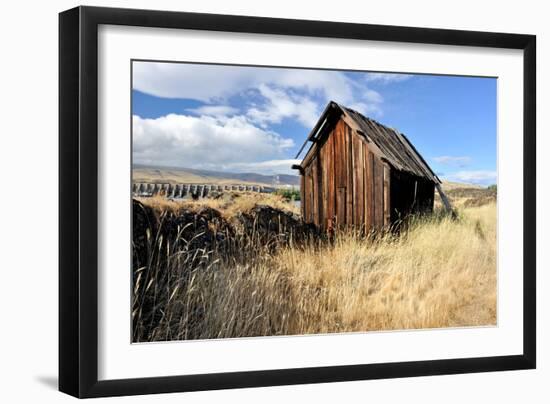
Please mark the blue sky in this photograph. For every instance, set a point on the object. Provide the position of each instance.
(254, 119)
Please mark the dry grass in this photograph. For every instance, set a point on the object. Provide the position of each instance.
(438, 273)
(466, 195)
(229, 204)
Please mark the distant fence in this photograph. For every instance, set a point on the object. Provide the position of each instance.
(192, 190)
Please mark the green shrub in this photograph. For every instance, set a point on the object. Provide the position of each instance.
(292, 194)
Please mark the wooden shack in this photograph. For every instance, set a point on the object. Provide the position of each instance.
(361, 173)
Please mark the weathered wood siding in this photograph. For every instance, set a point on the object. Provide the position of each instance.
(345, 184)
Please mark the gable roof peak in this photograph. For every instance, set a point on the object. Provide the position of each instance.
(389, 143)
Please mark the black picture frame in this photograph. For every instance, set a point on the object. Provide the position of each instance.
(78, 201)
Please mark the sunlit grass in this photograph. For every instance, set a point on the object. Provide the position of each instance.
(438, 272)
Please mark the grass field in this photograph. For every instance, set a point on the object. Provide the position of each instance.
(439, 272)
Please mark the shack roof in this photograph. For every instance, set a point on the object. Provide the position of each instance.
(387, 143)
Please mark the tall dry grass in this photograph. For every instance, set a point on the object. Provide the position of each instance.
(228, 204)
(439, 272)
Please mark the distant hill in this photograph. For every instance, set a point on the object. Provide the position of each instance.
(173, 175)
(449, 185)
(466, 195)
(144, 173)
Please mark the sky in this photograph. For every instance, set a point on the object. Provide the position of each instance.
(255, 119)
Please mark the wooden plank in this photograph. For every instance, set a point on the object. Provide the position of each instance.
(302, 196)
(358, 182)
(311, 198)
(378, 194)
(337, 140)
(444, 198)
(365, 152)
(324, 162)
(314, 193)
(350, 197)
(332, 174)
(369, 183)
(319, 196)
(331, 195)
(341, 206)
(339, 174)
(341, 156)
(307, 192)
(386, 195)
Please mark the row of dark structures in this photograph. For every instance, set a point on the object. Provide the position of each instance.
(191, 190)
(360, 173)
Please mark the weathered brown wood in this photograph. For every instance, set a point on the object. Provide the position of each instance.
(444, 198)
(310, 195)
(332, 184)
(358, 182)
(370, 190)
(365, 152)
(324, 162)
(378, 194)
(350, 197)
(306, 193)
(361, 173)
(341, 206)
(307, 199)
(302, 195)
(386, 174)
(314, 192)
(311, 198)
(319, 196)
(341, 157)
(331, 195)
(337, 156)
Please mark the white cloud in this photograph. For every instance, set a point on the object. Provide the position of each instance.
(330, 85)
(385, 78)
(367, 109)
(179, 80)
(210, 82)
(372, 96)
(204, 142)
(480, 177)
(284, 104)
(265, 167)
(306, 91)
(459, 161)
(214, 110)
